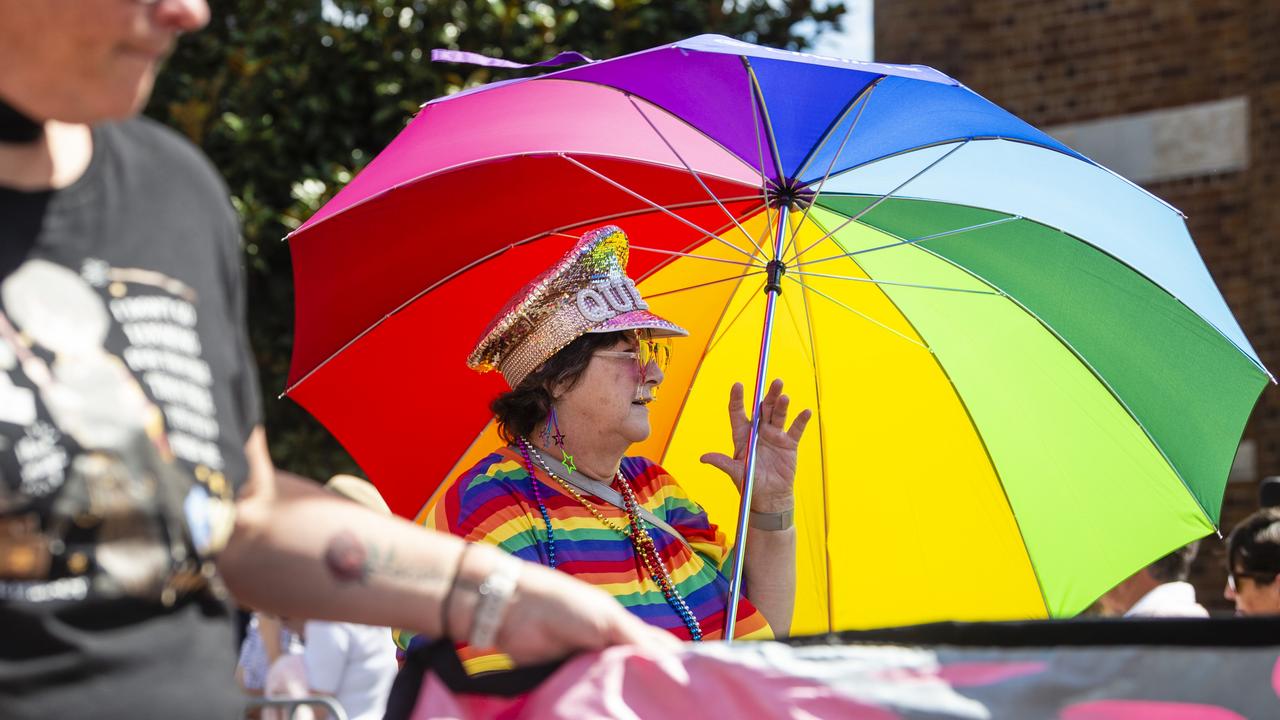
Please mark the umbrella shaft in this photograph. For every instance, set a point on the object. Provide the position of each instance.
(771, 292)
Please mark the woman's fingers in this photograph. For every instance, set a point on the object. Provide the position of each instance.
(737, 408)
(726, 465)
(799, 424)
(769, 400)
(739, 424)
(773, 411)
(779, 415)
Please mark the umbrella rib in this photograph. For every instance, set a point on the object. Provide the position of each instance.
(755, 125)
(822, 458)
(764, 115)
(1097, 375)
(913, 241)
(973, 423)
(692, 172)
(859, 313)
(795, 258)
(559, 231)
(708, 258)
(1092, 370)
(813, 154)
(702, 358)
(475, 263)
(702, 285)
(796, 324)
(864, 97)
(893, 283)
(699, 243)
(738, 315)
(653, 204)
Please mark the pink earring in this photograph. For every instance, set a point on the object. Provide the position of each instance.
(552, 430)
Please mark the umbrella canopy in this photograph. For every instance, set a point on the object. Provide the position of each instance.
(1026, 384)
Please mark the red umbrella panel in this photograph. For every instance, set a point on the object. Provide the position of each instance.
(427, 259)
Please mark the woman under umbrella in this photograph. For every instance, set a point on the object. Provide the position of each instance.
(584, 357)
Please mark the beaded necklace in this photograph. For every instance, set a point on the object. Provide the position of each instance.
(641, 539)
(542, 507)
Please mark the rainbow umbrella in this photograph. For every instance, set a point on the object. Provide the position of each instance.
(1027, 385)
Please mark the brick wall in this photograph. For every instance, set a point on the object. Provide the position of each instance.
(1064, 61)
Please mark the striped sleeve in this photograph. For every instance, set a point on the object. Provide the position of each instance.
(489, 504)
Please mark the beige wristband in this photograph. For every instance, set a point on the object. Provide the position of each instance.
(773, 521)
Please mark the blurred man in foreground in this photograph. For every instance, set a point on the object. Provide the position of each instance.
(134, 473)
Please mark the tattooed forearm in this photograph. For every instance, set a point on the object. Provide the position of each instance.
(346, 558)
(351, 560)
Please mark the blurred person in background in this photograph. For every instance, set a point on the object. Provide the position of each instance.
(355, 664)
(1157, 590)
(1269, 492)
(1253, 564)
(135, 481)
(266, 639)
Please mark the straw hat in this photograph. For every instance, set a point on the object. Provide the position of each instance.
(358, 490)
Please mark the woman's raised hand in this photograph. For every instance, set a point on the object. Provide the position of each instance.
(775, 452)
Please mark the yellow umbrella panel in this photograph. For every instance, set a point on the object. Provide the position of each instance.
(963, 462)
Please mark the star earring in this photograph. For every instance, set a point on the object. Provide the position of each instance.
(552, 432)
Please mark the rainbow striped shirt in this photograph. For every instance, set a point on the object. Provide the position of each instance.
(493, 503)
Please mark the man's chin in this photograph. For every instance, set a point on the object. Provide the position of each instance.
(127, 102)
(141, 94)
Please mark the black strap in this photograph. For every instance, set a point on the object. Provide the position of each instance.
(441, 658)
(16, 127)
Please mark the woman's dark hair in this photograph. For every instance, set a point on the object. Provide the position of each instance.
(1253, 547)
(519, 411)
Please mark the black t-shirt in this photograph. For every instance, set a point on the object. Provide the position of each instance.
(127, 392)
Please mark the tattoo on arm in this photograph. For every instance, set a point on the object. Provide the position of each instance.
(350, 560)
(346, 558)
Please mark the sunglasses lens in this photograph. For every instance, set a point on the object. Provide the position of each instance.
(655, 351)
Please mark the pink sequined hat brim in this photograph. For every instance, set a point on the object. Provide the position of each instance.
(641, 320)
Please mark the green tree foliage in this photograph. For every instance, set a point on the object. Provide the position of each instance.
(291, 98)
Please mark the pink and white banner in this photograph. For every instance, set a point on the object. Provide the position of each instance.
(1155, 680)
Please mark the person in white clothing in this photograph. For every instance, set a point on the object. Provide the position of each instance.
(356, 664)
(1157, 590)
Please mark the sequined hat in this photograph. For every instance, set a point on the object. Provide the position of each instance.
(588, 291)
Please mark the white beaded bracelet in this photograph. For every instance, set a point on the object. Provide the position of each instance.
(495, 594)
